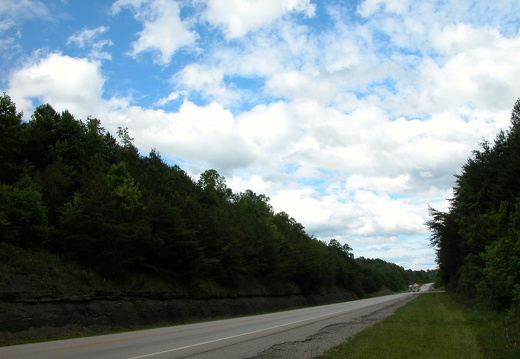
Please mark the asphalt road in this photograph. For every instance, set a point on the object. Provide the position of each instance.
(232, 338)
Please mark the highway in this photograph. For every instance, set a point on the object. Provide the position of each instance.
(231, 338)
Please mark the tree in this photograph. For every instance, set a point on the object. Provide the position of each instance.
(477, 239)
(214, 187)
(69, 187)
(11, 141)
(42, 134)
(501, 273)
(342, 248)
(447, 241)
(103, 225)
(258, 236)
(127, 151)
(515, 114)
(173, 245)
(23, 216)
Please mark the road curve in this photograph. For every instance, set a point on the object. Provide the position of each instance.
(231, 338)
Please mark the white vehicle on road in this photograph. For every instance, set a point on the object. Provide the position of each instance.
(413, 287)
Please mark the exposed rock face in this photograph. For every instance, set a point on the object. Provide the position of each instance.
(47, 317)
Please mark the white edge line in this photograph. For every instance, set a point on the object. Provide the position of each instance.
(233, 336)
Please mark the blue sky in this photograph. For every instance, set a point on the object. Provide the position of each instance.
(352, 116)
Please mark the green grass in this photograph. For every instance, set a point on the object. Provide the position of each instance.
(436, 325)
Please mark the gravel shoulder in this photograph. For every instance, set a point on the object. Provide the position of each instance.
(329, 336)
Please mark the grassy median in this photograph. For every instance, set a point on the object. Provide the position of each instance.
(436, 325)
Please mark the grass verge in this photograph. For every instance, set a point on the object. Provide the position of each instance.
(436, 325)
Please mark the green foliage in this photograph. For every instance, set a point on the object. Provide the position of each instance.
(23, 216)
(70, 188)
(500, 279)
(445, 237)
(11, 141)
(377, 273)
(436, 325)
(477, 240)
(103, 225)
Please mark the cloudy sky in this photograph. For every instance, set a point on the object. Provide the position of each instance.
(352, 116)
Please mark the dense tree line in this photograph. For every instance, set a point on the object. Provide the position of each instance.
(71, 188)
(478, 238)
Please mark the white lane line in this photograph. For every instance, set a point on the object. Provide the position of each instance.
(234, 336)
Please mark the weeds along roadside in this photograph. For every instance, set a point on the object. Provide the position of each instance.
(437, 325)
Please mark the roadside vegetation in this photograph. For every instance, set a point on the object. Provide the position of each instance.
(437, 325)
(82, 210)
(478, 237)
(478, 252)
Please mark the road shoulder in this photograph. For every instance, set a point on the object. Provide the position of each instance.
(330, 336)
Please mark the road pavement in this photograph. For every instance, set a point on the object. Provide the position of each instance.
(232, 338)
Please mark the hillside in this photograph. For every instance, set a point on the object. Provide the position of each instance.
(85, 216)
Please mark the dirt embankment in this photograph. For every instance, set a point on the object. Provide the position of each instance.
(23, 318)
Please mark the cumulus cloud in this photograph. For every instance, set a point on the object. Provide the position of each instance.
(423, 59)
(369, 7)
(65, 82)
(163, 29)
(207, 81)
(268, 129)
(298, 85)
(240, 17)
(352, 127)
(358, 175)
(207, 135)
(204, 135)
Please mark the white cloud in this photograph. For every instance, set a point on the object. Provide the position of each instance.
(6, 25)
(208, 81)
(386, 215)
(369, 7)
(62, 81)
(24, 9)
(303, 204)
(204, 135)
(268, 129)
(13, 14)
(366, 142)
(8, 40)
(163, 29)
(239, 17)
(435, 62)
(258, 57)
(89, 39)
(380, 173)
(386, 184)
(172, 96)
(298, 85)
(352, 126)
(456, 38)
(468, 79)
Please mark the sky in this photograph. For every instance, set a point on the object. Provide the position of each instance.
(351, 116)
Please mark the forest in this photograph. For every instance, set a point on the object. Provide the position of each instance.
(73, 190)
(478, 238)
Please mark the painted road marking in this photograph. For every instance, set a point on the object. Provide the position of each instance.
(235, 336)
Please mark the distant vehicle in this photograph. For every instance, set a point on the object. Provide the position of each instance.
(413, 287)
